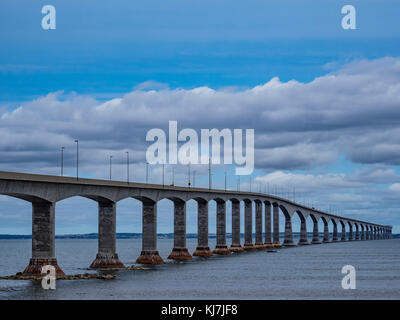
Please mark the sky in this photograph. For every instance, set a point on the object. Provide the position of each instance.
(324, 102)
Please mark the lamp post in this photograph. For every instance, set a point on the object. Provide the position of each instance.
(209, 173)
(189, 175)
(110, 166)
(62, 161)
(127, 167)
(225, 180)
(77, 159)
(147, 172)
(163, 174)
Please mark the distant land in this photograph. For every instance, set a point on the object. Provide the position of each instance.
(137, 236)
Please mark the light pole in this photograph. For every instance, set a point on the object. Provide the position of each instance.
(209, 173)
(173, 176)
(189, 175)
(194, 178)
(62, 161)
(110, 166)
(163, 174)
(238, 183)
(77, 159)
(127, 166)
(147, 172)
(225, 180)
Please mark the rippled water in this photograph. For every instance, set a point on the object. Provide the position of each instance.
(306, 272)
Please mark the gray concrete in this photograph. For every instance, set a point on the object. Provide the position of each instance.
(259, 238)
(335, 237)
(45, 191)
(202, 250)
(326, 231)
(288, 240)
(149, 254)
(248, 225)
(221, 247)
(106, 256)
(303, 232)
(179, 252)
(315, 239)
(275, 207)
(267, 211)
(236, 246)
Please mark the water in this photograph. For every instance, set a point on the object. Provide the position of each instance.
(304, 272)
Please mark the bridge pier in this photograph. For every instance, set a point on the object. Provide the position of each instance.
(149, 254)
(367, 235)
(236, 246)
(202, 250)
(362, 233)
(288, 240)
(106, 256)
(357, 232)
(326, 232)
(221, 247)
(315, 239)
(267, 212)
(180, 252)
(335, 237)
(248, 226)
(43, 238)
(259, 238)
(343, 234)
(303, 232)
(276, 242)
(351, 232)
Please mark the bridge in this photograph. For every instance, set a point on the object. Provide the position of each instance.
(44, 191)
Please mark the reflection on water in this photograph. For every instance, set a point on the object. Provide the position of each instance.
(306, 272)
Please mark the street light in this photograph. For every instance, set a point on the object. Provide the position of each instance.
(147, 172)
(77, 159)
(110, 166)
(127, 166)
(62, 161)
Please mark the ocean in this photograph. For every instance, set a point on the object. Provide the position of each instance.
(302, 272)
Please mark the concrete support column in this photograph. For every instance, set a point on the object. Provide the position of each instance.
(363, 233)
(268, 236)
(259, 226)
(149, 254)
(315, 239)
(335, 237)
(357, 232)
(43, 238)
(180, 252)
(236, 246)
(367, 235)
(288, 240)
(303, 232)
(351, 232)
(107, 256)
(221, 247)
(326, 232)
(276, 242)
(248, 225)
(374, 233)
(202, 250)
(343, 238)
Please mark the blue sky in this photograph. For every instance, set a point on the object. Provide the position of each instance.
(102, 50)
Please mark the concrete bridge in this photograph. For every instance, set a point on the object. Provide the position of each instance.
(45, 191)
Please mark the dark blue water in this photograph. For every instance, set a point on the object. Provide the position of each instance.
(306, 272)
